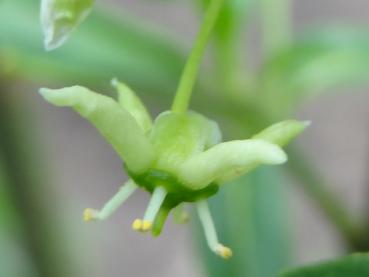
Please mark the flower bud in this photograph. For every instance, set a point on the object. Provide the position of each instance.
(60, 17)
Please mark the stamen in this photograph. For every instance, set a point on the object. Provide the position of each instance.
(152, 210)
(137, 225)
(210, 232)
(112, 205)
(156, 200)
(89, 214)
(224, 252)
(141, 225)
(146, 225)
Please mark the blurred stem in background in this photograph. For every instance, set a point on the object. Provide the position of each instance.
(21, 159)
(276, 25)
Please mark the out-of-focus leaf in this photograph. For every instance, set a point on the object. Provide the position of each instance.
(314, 63)
(14, 259)
(40, 230)
(356, 265)
(250, 217)
(8, 216)
(102, 48)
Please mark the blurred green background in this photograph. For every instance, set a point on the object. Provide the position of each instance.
(269, 60)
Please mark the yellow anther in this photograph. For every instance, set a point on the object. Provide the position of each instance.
(137, 225)
(146, 225)
(89, 214)
(224, 252)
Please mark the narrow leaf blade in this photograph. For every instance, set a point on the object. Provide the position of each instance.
(316, 62)
(356, 265)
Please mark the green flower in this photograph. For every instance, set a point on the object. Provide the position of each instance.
(60, 17)
(179, 158)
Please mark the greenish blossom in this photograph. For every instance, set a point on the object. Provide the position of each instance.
(178, 158)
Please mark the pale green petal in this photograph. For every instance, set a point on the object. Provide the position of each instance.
(227, 161)
(177, 137)
(130, 101)
(60, 17)
(283, 132)
(118, 127)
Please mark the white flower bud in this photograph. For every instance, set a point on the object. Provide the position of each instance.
(60, 17)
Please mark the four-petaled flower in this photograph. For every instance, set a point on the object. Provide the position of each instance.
(178, 158)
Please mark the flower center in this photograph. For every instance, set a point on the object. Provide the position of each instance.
(177, 192)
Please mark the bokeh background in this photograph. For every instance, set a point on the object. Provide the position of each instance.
(76, 168)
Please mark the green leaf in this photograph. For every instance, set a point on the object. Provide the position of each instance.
(356, 265)
(250, 217)
(105, 46)
(12, 243)
(118, 127)
(317, 61)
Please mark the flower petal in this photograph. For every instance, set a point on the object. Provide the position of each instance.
(130, 101)
(60, 17)
(283, 132)
(118, 127)
(177, 137)
(228, 160)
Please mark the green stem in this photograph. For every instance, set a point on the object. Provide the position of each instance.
(189, 74)
(276, 25)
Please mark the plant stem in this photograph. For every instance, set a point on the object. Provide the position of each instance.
(229, 67)
(276, 25)
(189, 74)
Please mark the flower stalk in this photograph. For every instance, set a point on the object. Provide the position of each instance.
(190, 72)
